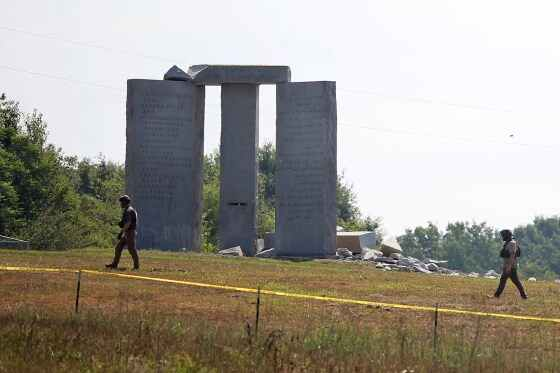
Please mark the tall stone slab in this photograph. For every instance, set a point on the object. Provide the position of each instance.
(237, 223)
(306, 169)
(164, 154)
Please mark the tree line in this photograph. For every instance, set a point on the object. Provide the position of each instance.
(60, 202)
(476, 246)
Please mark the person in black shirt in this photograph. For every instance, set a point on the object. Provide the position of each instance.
(127, 236)
(509, 253)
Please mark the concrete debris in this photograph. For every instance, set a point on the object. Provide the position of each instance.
(436, 262)
(390, 246)
(395, 261)
(384, 259)
(268, 253)
(432, 267)
(260, 245)
(344, 253)
(388, 258)
(491, 273)
(232, 251)
(370, 254)
(356, 241)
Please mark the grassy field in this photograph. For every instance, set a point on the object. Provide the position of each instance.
(138, 326)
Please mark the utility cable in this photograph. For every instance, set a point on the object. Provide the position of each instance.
(87, 45)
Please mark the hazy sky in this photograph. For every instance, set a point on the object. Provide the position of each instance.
(429, 92)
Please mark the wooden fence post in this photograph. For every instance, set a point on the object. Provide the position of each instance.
(78, 291)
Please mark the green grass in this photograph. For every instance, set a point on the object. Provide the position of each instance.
(129, 325)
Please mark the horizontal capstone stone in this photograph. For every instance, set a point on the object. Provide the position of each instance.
(243, 74)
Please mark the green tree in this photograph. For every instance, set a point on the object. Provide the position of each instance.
(422, 242)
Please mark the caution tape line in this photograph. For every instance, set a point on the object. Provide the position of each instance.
(289, 295)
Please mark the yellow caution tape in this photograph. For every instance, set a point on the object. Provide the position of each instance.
(290, 295)
(32, 269)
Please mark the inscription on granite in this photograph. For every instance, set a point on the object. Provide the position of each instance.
(164, 152)
(306, 174)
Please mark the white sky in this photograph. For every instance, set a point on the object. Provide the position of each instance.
(439, 85)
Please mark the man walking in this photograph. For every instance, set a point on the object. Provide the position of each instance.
(127, 236)
(510, 253)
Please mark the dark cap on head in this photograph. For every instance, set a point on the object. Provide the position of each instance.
(506, 234)
(125, 198)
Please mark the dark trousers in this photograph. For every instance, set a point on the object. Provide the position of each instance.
(514, 278)
(130, 242)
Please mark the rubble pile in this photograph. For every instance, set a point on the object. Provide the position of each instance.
(395, 261)
(387, 256)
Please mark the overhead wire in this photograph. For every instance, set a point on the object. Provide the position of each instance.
(345, 124)
(351, 91)
(447, 138)
(87, 44)
(424, 100)
(63, 78)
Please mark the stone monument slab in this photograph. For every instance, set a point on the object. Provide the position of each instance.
(306, 169)
(237, 225)
(239, 74)
(164, 154)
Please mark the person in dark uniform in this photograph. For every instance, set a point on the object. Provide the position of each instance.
(127, 236)
(509, 253)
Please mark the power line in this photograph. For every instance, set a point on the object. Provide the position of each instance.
(87, 45)
(63, 78)
(423, 100)
(72, 80)
(447, 138)
(346, 124)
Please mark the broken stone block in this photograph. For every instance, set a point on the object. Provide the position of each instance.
(232, 251)
(390, 246)
(370, 254)
(343, 253)
(491, 273)
(432, 267)
(269, 253)
(176, 74)
(385, 259)
(260, 245)
(356, 241)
